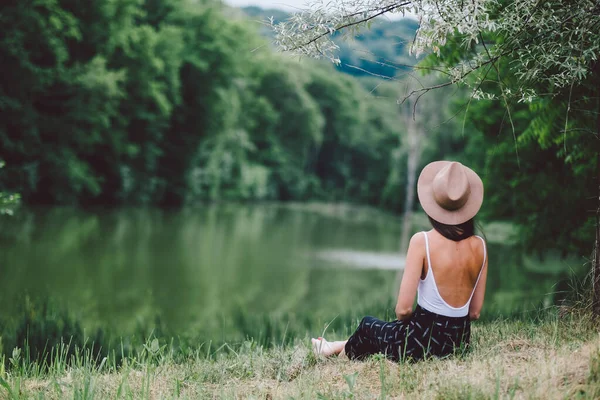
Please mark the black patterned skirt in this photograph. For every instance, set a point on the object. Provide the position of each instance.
(424, 334)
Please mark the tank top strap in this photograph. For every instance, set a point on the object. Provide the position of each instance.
(427, 251)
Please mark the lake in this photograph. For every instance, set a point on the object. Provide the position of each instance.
(228, 272)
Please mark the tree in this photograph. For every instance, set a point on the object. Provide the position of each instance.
(159, 102)
(8, 201)
(520, 53)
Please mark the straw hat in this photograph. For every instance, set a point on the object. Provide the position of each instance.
(449, 192)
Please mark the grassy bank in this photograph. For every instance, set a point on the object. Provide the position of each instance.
(547, 357)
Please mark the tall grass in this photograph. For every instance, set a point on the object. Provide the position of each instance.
(46, 335)
(549, 356)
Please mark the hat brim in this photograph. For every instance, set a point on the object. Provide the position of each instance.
(434, 210)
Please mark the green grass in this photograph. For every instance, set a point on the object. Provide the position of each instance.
(543, 357)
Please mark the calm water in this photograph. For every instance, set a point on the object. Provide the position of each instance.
(218, 269)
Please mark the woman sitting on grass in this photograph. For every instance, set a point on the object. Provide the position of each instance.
(446, 269)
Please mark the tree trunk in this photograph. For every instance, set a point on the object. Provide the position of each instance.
(596, 258)
(413, 145)
(413, 159)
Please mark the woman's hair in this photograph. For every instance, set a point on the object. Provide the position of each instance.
(454, 232)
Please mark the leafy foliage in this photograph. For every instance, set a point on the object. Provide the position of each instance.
(162, 102)
(535, 65)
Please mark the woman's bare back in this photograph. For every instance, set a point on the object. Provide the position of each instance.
(456, 266)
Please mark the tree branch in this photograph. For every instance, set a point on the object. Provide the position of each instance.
(353, 23)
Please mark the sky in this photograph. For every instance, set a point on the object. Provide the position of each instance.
(288, 5)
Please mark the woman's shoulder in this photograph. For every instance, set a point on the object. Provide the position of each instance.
(417, 240)
(478, 245)
(477, 241)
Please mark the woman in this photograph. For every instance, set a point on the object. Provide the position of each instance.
(446, 268)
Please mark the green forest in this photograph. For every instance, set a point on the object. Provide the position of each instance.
(173, 102)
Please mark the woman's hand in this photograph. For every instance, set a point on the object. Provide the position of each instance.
(402, 314)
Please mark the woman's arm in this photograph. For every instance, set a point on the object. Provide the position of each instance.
(479, 294)
(410, 279)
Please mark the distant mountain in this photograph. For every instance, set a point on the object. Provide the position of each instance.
(379, 51)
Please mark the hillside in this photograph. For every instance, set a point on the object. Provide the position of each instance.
(381, 50)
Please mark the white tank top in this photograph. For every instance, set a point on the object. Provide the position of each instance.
(429, 297)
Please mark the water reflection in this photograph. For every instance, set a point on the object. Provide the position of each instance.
(360, 259)
(206, 269)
